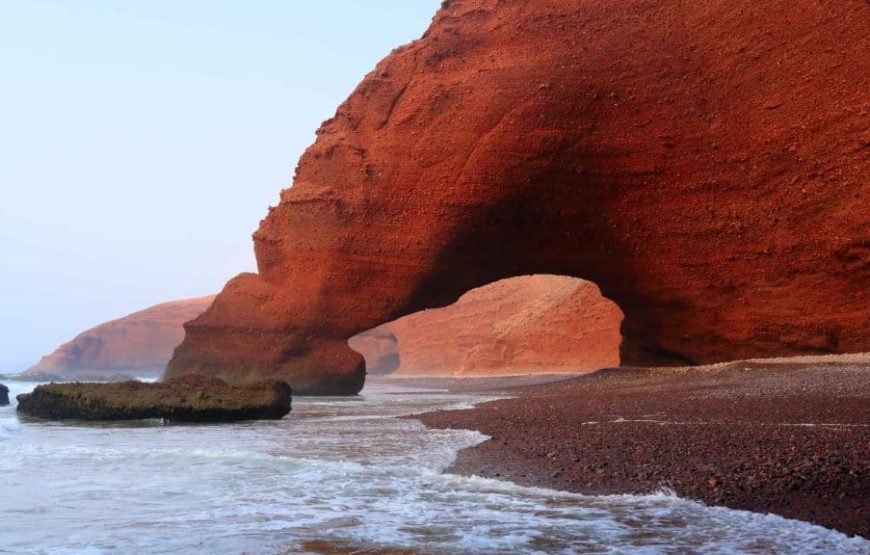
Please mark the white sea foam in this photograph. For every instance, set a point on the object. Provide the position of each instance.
(8, 426)
(337, 470)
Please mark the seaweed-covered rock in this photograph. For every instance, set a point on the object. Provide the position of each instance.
(4, 395)
(192, 398)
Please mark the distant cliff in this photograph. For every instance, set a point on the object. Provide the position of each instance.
(539, 324)
(139, 344)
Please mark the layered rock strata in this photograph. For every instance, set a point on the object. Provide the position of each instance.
(139, 344)
(706, 164)
(191, 398)
(540, 324)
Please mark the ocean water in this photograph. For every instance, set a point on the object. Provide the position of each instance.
(337, 475)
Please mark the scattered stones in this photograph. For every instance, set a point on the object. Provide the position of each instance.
(788, 439)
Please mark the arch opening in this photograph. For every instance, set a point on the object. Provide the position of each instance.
(534, 324)
(380, 349)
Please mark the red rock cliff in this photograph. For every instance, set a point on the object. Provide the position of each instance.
(540, 324)
(139, 344)
(707, 164)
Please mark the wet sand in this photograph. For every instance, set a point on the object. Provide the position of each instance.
(790, 438)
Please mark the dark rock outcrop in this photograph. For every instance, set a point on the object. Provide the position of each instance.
(4, 395)
(706, 164)
(192, 398)
(139, 344)
(539, 324)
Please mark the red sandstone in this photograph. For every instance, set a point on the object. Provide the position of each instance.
(139, 344)
(706, 164)
(539, 324)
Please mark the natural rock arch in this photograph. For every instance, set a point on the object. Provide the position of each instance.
(707, 165)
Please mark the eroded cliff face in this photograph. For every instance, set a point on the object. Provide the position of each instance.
(706, 164)
(540, 324)
(139, 344)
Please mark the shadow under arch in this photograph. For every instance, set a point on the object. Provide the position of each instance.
(565, 216)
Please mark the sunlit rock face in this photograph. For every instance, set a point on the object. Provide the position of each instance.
(539, 324)
(705, 163)
(139, 344)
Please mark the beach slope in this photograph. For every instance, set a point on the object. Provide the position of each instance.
(790, 438)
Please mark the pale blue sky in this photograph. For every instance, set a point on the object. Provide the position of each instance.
(142, 141)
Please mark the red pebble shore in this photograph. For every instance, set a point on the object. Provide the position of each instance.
(790, 439)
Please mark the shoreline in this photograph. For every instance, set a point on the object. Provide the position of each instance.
(785, 437)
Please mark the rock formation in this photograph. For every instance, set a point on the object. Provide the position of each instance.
(4, 395)
(706, 164)
(191, 398)
(139, 344)
(538, 324)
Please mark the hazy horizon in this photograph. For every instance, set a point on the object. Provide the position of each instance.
(143, 142)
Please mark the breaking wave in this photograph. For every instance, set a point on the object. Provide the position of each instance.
(336, 473)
